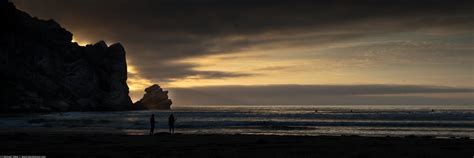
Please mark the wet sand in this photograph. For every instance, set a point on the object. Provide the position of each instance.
(57, 144)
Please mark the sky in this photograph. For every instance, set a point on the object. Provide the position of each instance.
(284, 51)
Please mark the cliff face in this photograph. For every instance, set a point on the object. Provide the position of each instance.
(154, 98)
(42, 70)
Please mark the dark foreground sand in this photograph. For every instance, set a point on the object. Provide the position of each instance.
(228, 146)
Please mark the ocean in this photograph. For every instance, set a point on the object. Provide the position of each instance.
(304, 120)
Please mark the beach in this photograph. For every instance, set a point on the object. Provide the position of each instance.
(89, 144)
(246, 131)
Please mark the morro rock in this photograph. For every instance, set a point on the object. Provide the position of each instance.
(43, 71)
(154, 98)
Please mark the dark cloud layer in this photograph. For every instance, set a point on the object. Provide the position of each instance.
(157, 32)
(319, 94)
(184, 70)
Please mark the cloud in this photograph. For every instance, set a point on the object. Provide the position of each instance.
(274, 68)
(167, 71)
(333, 89)
(320, 94)
(157, 33)
(401, 52)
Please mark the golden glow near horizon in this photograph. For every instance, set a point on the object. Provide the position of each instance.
(281, 67)
(135, 81)
(80, 41)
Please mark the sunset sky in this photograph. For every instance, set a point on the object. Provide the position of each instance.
(284, 52)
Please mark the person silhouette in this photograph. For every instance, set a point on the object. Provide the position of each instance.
(152, 124)
(171, 121)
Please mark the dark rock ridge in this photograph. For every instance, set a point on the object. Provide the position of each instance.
(43, 71)
(154, 98)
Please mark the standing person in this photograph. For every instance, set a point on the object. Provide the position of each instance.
(171, 121)
(152, 124)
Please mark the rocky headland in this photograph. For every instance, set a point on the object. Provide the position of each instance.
(154, 98)
(42, 70)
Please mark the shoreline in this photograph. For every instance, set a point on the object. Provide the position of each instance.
(113, 131)
(57, 144)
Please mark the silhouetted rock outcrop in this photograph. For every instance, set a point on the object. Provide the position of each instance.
(42, 70)
(154, 98)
